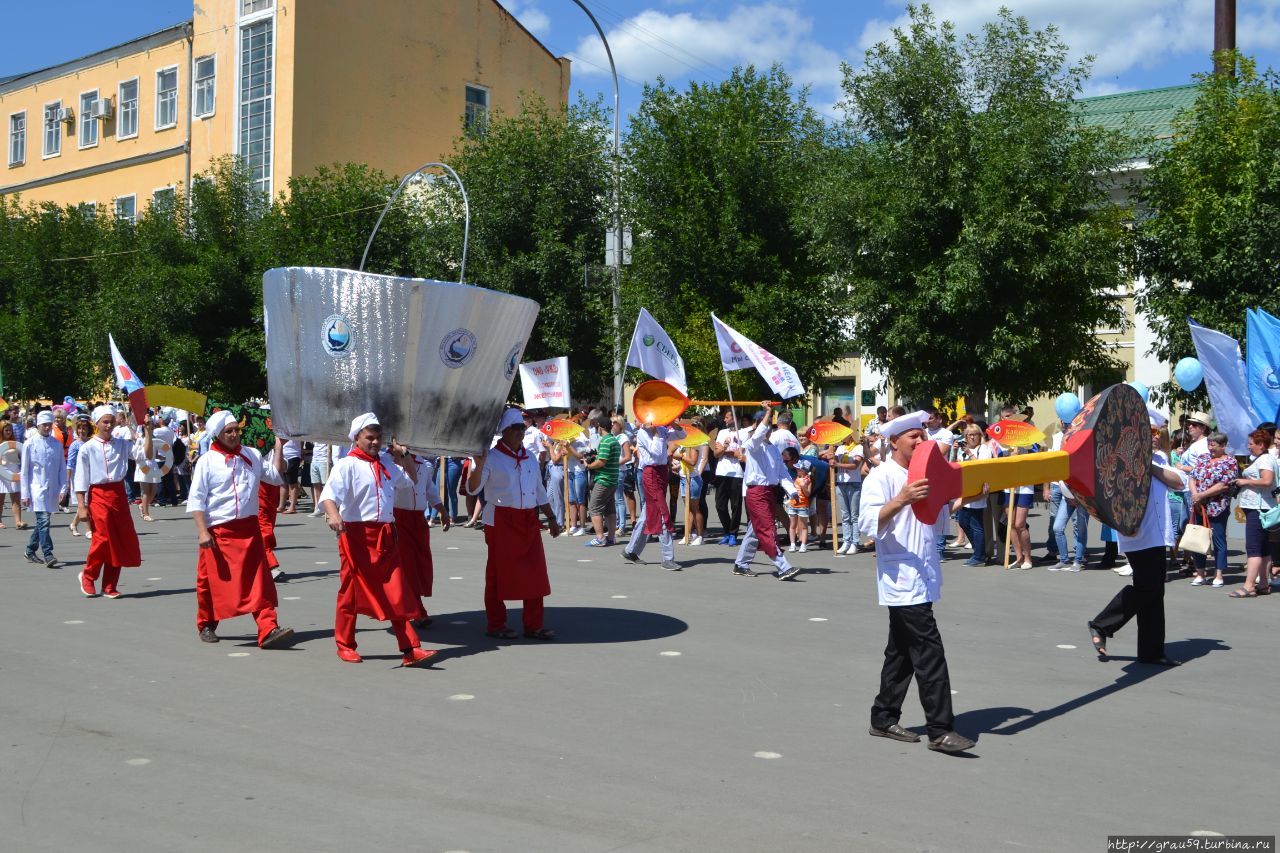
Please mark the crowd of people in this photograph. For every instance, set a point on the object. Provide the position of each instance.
(615, 477)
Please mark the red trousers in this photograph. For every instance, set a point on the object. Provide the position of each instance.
(115, 542)
(373, 583)
(496, 610)
(761, 503)
(232, 578)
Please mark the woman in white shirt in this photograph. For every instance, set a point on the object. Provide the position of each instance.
(969, 516)
(728, 451)
(1257, 484)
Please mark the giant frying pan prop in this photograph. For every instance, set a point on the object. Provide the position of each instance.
(1105, 461)
(660, 403)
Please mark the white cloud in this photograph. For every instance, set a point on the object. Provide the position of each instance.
(684, 44)
(1120, 34)
(530, 16)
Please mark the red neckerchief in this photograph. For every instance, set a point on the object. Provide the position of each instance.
(378, 469)
(228, 455)
(519, 456)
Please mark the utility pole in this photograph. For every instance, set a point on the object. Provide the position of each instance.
(1224, 36)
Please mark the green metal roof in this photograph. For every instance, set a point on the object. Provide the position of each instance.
(1146, 114)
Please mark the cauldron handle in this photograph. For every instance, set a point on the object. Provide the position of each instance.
(466, 210)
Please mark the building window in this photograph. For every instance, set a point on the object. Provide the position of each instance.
(164, 199)
(17, 139)
(127, 114)
(476, 119)
(167, 98)
(206, 75)
(256, 61)
(52, 129)
(127, 208)
(88, 124)
(88, 209)
(252, 7)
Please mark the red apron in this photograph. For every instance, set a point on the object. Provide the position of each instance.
(761, 502)
(114, 541)
(268, 504)
(657, 517)
(415, 549)
(517, 563)
(371, 573)
(233, 573)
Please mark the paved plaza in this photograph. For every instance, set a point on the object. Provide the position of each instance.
(689, 711)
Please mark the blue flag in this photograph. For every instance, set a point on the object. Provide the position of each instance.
(1262, 364)
(1219, 354)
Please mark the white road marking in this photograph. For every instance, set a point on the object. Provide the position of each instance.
(670, 654)
(817, 619)
(456, 578)
(238, 654)
(292, 598)
(460, 697)
(137, 762)
(322, 562)
(155, 579)
(74, 622)
(1065, 646)
(768, 755)
(617, 596)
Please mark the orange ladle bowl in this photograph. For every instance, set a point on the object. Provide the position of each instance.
(660, 403)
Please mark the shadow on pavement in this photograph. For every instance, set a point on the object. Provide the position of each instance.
(993, 720)
(573, 625)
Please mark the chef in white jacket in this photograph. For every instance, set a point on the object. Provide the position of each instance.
(43, 485)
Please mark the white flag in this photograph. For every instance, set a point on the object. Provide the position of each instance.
(653, 352)
(780, 376)
(1224, 378)
(546, 383)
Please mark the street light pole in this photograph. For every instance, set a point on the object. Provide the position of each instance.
(617, 213)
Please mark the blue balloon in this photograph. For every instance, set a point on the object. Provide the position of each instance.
(1188, 373)
(1143, 391)
(1067, 406)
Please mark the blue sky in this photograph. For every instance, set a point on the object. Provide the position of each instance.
(1137, 43)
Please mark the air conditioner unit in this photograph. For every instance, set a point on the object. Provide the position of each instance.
(101, 108)
(66, 115)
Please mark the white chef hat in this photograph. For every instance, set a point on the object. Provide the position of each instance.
(899, 425)
(368, 419)
(219, 421)
(101, 412)
(1158, 419)
(511, 417)
(45, 417)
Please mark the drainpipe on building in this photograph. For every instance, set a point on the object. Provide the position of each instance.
(191, 80)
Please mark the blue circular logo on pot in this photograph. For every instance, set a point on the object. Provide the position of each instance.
(513, 361)
(336, 335)
(457, 347)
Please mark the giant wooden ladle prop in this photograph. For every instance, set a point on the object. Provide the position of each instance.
(660, 403)
(1105, 461)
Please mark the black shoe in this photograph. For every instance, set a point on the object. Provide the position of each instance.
(51, 563)
(895, 732)
(629, 557)
(950, 742)
(791, 572)
(207, 635)
(743, 571)
(1099, 641)
(1160, 661)
(32, 558)
(277, 638)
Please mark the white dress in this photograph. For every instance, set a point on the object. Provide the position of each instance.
(10, 467)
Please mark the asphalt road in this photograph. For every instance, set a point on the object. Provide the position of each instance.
(690, 711)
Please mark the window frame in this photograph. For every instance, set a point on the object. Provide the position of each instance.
(466, 105)
(85, 119)
(177, 84)
(23, 160)
(168, 188)
(195, 86)
(115, 208)
(44, 130)
(243, 17)
(137, 104)
(237, 118)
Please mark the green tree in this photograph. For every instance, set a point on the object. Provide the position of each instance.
(1209, 236)
(716, 180)
(967, 209)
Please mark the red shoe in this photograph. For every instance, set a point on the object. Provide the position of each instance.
(112, 593)
(349, 655)
(417, 657)
(87, 587)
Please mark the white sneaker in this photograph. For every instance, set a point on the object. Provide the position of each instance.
(697, 540)
(1217, 582)
(804, 548)
(791, 548)
(1124, 571)
(1028, 565)
(577, 531)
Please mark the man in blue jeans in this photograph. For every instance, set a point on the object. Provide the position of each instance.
(43, 484)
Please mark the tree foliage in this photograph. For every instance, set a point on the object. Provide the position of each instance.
(1209, 236)
(716, 179)
(967, 210)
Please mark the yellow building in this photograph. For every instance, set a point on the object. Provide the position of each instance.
(286, 85)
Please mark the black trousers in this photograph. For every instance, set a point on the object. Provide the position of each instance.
(1144, 599)
(914, 649)
(729, 504)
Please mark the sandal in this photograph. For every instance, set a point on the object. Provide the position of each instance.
(503, 634)
(1242, 593)
(540, 634)
(22, 525)
(1099, 641)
